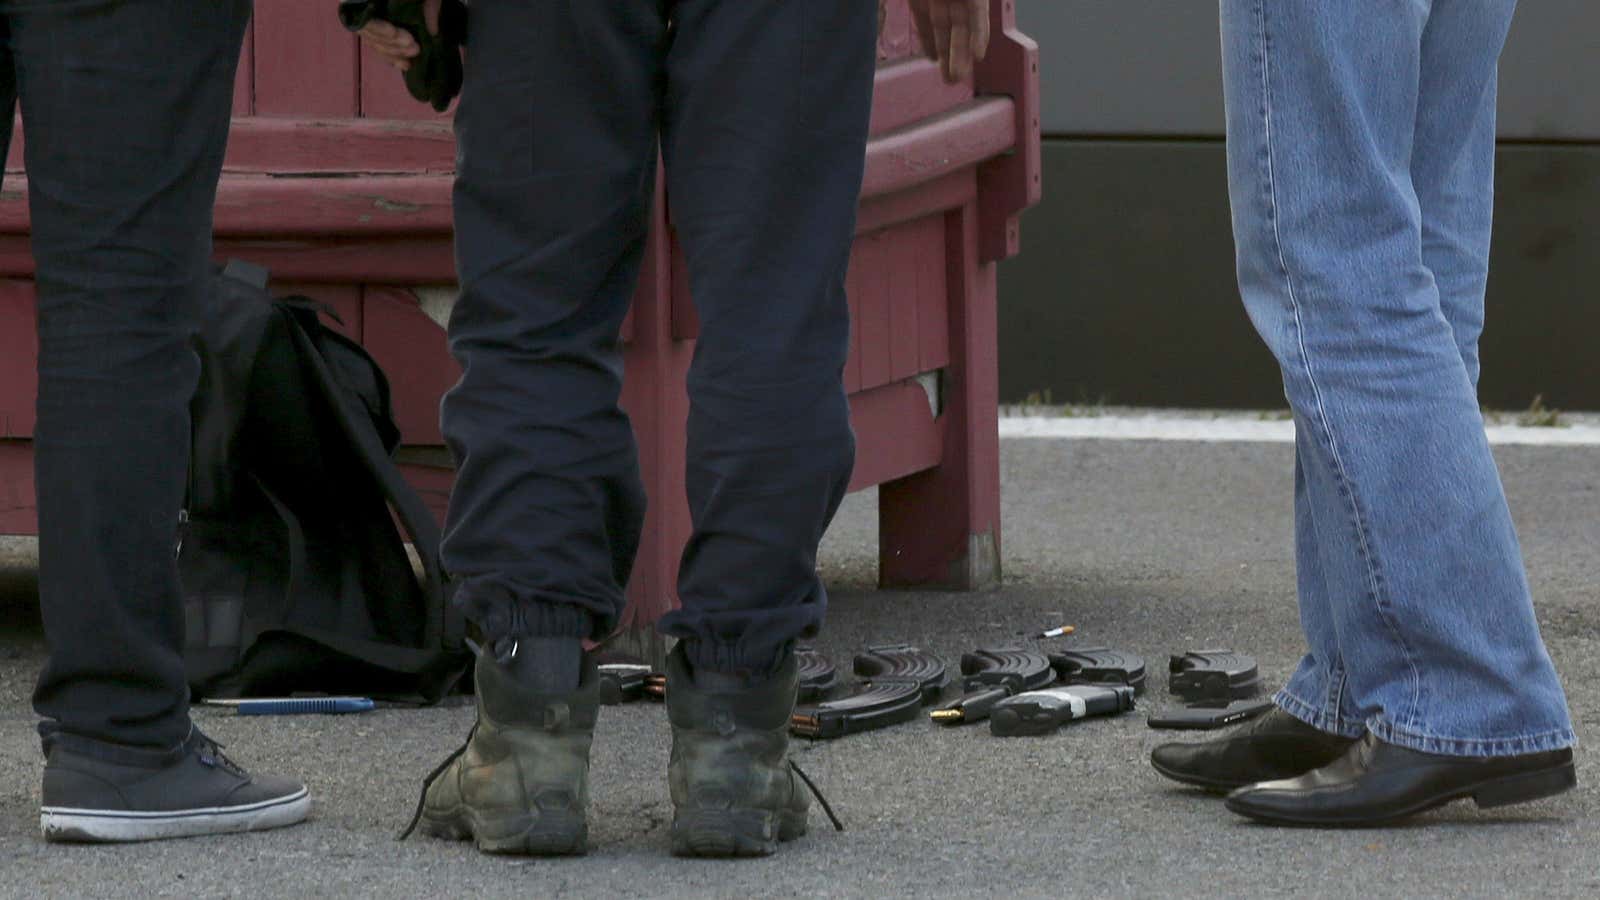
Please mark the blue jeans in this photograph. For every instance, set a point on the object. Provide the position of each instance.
(1361, 166)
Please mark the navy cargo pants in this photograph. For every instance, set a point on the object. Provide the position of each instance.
(760, 110)
(126, 106)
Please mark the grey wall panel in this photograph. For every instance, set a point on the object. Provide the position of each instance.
(1124, 290)
(1543, 332)
(1152, 67)
(1550, 74)
(1125, 287)
(1129, 67)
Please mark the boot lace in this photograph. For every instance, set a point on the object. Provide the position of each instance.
(210, 754)
(427, 783)
(821, 800)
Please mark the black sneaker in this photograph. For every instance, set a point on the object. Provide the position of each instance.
(88, 798)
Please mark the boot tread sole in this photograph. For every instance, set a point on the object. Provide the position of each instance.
(727, 834)
(546, 834)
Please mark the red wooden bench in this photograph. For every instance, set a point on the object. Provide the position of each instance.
(341, 184)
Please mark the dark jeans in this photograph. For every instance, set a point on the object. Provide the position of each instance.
(126, 106)
(760, 109)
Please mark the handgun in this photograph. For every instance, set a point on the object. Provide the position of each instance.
(435, 74)
(1042, 712)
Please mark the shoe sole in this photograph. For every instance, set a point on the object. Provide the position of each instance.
(95, 826)
(1212, 785)
(730, 834)
(1506, 790)
(548, 834)
(1228, 786)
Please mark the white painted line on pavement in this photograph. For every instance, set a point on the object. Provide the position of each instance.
(1226, 429)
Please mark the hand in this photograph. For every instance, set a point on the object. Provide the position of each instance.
(396, 45)
(955, 33)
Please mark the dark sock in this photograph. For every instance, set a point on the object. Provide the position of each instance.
(549, 665)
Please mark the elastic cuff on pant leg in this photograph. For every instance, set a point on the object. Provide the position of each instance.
(500, 614)
(750, 662)
(542, 619)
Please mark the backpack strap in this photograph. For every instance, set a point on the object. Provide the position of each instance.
(445, 668)
(444, 627)
(440, 672)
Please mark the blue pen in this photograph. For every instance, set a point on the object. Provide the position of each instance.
(297, 706)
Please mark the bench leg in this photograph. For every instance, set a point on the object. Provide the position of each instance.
(654, 394)
(940, 529)
(17, 512)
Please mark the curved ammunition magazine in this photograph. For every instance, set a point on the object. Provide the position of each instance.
(1009, 667)
(898, 680)
(818, 676)
(991, 675)
(1214, 675)
(1100, 665)
(875, 705)
(903, 662)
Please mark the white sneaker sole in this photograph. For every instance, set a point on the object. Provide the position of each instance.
(62, 824)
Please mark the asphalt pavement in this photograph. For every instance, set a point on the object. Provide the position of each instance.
(1151, 547)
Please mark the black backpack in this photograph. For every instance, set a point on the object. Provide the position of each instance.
(293, 564)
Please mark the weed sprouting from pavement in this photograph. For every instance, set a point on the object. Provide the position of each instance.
(1042, 404)
(1540, 416)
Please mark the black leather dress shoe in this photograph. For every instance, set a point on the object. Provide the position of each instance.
(1276, 745)
(1375, 783)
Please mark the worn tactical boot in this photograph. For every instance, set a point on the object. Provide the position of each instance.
(520, 785)
(734, 792)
